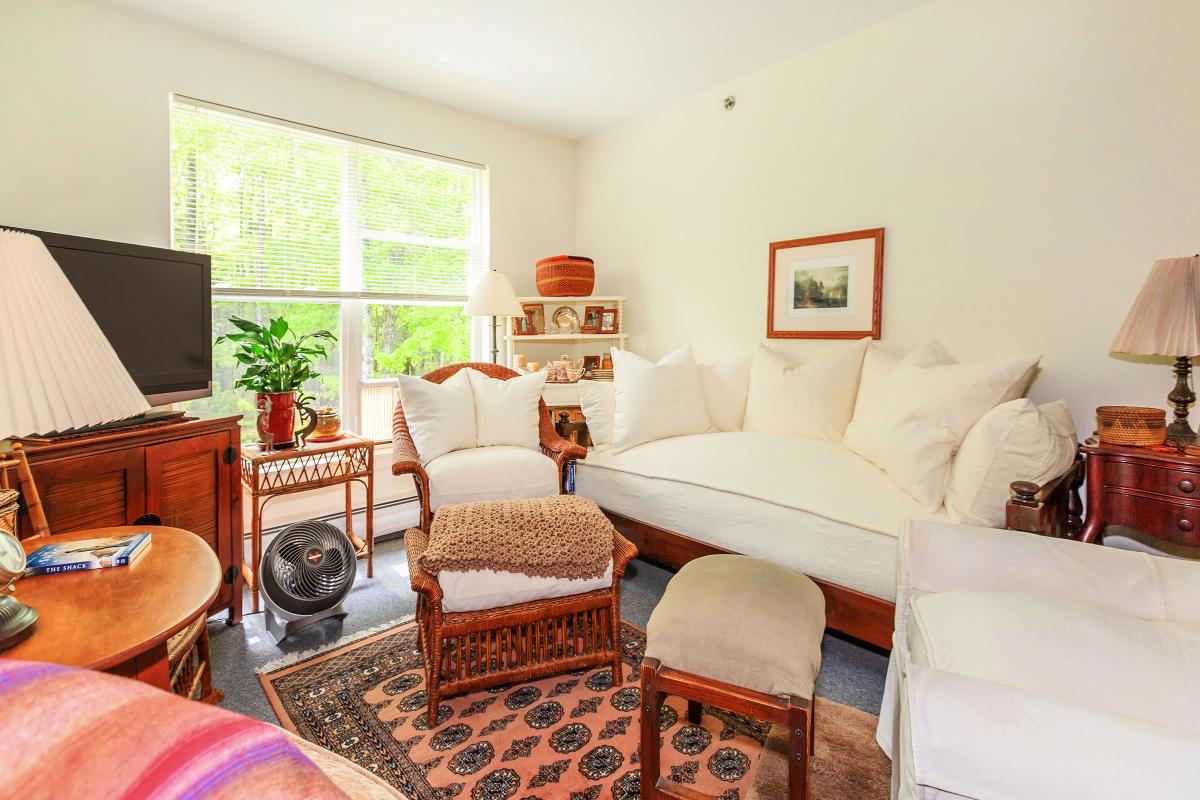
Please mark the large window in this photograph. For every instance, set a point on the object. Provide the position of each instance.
(374, 243)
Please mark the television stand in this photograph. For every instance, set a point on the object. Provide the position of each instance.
(147, 420)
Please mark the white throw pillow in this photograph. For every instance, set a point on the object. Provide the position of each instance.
(440, 416)
(656, 401)
(877, 365)
(598, 402)
(507, 411)
(911, 427)
(814, 400)
(726, 385)
(1015, 441)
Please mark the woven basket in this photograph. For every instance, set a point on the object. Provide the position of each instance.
(1131, 425)
(566, 276)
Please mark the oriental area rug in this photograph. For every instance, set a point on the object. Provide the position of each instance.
(573, 736)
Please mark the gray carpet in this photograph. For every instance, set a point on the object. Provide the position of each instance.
(851, 673)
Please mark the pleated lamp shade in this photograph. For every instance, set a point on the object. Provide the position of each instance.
(493, 297)
(1165, 318)
(57, 369)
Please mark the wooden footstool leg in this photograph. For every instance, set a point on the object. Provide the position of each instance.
(799, 727)
(651, 705)
(695, 711)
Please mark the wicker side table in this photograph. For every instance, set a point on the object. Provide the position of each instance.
(469, 650)
(267, 474)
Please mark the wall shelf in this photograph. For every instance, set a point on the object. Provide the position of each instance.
(569, 337)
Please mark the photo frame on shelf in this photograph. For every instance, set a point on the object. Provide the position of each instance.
(826, 287)
(536, 312)
(608, 321)
(591, 319)
(590, 363)
(522, 326)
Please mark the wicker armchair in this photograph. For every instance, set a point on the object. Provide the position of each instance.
(406, 460)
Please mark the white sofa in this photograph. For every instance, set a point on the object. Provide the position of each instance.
(1025, 666)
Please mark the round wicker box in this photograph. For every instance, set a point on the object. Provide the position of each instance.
(566, 276)
(1131, 425)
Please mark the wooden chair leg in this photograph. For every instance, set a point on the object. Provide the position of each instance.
(433, 674)
(204, 649)
(799, 726)
(695, 711)
(651, 706)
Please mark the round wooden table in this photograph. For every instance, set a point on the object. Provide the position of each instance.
(119, 619)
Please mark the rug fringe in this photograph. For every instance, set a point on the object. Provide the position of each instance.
(301, 655)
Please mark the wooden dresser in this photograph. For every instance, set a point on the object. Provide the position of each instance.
(1152, 490)
(183, 472)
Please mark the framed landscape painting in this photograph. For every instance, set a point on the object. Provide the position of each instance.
(826, 287)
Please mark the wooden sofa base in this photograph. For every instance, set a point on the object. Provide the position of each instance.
(849, 611)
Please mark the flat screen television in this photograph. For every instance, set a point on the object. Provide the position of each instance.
(153, 304)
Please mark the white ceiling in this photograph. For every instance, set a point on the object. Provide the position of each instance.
(565, 67)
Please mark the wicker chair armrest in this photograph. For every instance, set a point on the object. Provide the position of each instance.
(415, 542)
(560, 449)
(624, 551)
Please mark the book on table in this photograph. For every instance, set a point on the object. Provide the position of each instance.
(109, 551)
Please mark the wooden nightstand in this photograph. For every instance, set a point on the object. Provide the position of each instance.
(1154, 490)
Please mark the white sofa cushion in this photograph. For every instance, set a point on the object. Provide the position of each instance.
(1017, 440)
(877, 366)
(913, 424)
(656, 401)
(598, 402)
(490, 473)
(507, 411)
(478, 589)
(440, 416)
(725, 386)
(1068, 651)
(813, 399)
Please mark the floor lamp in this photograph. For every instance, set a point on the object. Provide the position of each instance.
(494, 297)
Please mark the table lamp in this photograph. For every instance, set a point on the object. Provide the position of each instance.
(494, 297)
(1165, 321)
(58, 372)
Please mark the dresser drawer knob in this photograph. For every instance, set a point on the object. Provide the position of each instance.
(1185, 525)
(1187, 486)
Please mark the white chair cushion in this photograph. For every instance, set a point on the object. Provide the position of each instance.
(911, 427)
(1063, 650)
(656, 401)
(478, 589)
(726, 385)
(507, 412)
(440, 416)
(814, 399)
(877, 366)
(598, 402)
(490, 473)
(1015, 441)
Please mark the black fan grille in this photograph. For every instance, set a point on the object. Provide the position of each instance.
(309, 561)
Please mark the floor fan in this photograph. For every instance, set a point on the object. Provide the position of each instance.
(306, 571)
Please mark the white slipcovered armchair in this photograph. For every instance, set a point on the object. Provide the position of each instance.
(1029, 667)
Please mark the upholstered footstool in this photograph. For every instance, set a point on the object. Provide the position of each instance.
(740, 634)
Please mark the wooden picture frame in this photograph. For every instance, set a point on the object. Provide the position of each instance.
(826, 287)
(609, 322)
(522, 326)
(591, 319)
(536, 312)
(590, 363)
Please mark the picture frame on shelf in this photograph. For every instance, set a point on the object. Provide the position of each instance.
(590, 363)
(826, 287)
(522, 326)
(536, 312)
(591, 319)
(608, 320)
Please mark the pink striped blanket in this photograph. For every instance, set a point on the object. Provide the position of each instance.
(71, 733)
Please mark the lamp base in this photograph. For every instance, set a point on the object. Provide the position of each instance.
(17, 622)
(1181, 397)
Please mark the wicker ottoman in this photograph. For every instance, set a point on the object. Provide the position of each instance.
(469, 650)
(740, 634)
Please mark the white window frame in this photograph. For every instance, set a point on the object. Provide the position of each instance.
(352, 299)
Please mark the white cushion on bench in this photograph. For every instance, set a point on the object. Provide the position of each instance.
(479, 589)
(490, 473)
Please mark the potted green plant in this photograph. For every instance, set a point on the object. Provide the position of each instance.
(276, 363)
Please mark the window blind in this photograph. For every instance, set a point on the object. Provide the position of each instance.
(289, 211)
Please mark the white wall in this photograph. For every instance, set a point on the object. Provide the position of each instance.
(1029, 160)
(84, 144)
(84, 127)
